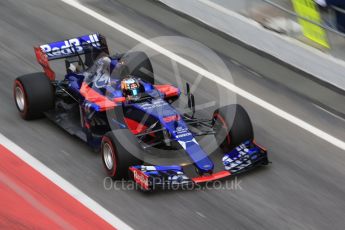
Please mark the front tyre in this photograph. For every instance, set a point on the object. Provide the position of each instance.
(232, 126)
(116, 159)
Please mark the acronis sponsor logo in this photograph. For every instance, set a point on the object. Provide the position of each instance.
(66, 48)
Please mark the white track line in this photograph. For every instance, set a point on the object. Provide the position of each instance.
(279, 112)
(63, 184)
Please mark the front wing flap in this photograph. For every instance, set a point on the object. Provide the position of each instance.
(153, 177)
(244, 157)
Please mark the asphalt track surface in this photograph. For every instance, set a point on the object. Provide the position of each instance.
(303, 188)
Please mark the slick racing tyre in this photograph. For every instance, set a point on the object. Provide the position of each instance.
(115, 156)
(232, 126)
(33, 95)
(139, 65)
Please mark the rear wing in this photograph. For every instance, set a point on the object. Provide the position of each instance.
(90, 45)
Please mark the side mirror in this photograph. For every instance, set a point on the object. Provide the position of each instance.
(192, 99)
(188, 95)
(187, 88)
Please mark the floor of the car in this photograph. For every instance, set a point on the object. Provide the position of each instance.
(68, 121)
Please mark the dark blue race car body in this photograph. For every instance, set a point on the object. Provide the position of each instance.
(89, 103)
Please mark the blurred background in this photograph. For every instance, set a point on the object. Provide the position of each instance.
(318, 23)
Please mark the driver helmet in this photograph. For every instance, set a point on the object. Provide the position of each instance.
(130, 87)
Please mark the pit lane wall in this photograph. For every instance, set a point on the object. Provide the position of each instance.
(293, 52)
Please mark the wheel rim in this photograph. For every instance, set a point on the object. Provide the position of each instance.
(20, 99)
(108, 156)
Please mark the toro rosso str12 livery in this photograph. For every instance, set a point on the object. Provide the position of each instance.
(113, 104)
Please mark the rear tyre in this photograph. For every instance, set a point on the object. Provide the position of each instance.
(116, 159)
(139, 65)
(33, 95)
(232, 126)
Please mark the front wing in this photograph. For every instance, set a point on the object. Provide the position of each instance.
(243, 158)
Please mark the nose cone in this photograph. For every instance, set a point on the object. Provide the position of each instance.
(201, 160)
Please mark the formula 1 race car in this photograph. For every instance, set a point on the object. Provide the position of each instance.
(112, 103)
